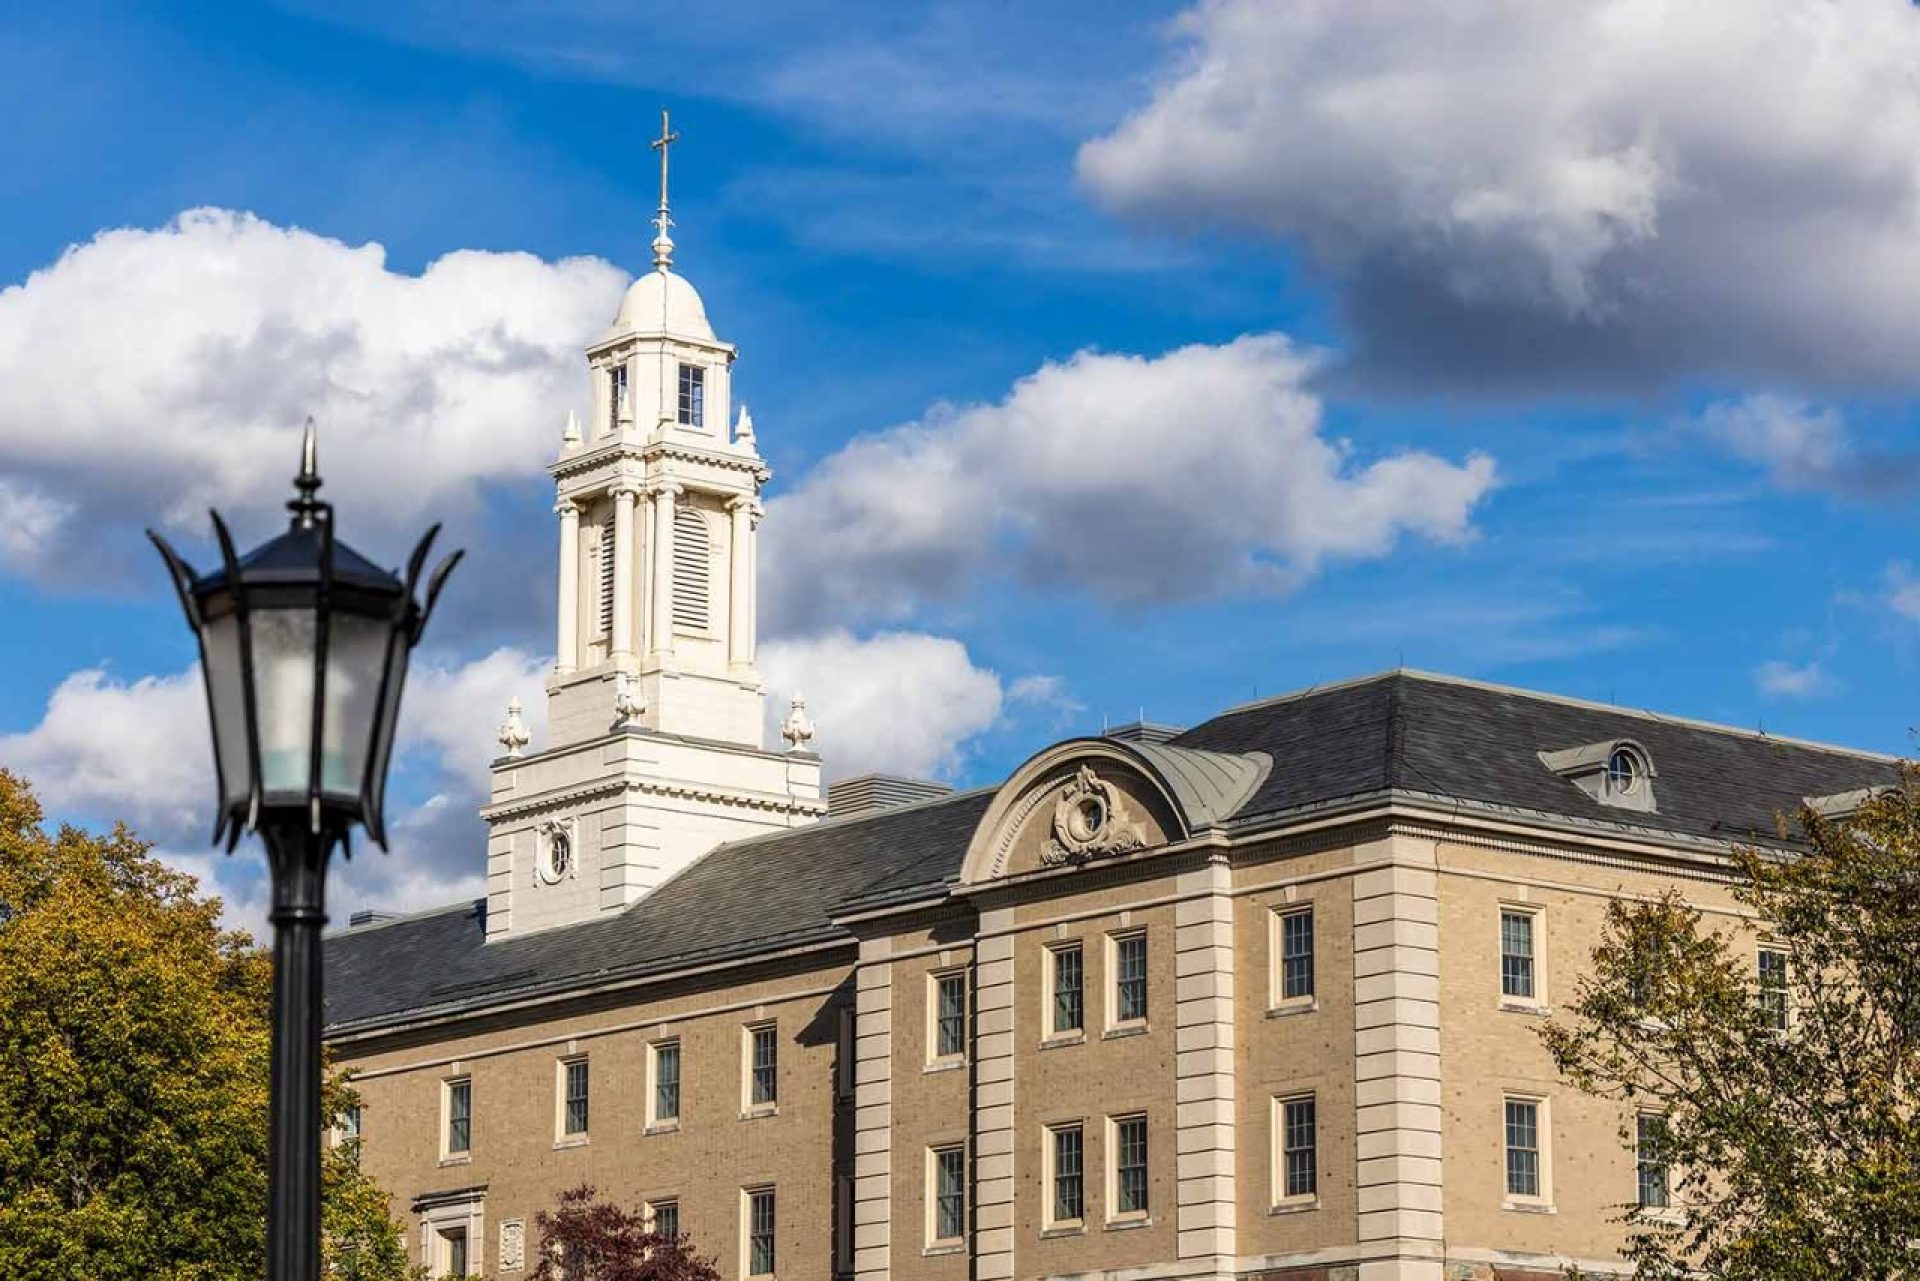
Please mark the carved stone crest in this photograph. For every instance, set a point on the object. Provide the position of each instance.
(513, 1245)
(1088, 823)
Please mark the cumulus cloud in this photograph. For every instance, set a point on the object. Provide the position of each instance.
(1199, 472)
(153, 373)
(898, 702)
(1602, 190)
(1782, 679)
(1808, 447)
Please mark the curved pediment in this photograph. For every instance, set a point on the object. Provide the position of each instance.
(1095, 798)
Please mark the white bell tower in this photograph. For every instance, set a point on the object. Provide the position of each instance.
(655, 710)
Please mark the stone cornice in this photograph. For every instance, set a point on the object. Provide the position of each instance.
(767, 801)
(615, 451)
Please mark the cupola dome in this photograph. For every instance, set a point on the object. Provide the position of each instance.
(661, 302)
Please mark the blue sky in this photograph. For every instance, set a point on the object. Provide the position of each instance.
(1234, 350)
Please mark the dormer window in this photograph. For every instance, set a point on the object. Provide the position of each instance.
(1615, 772)
(617, 409)
(693, 396)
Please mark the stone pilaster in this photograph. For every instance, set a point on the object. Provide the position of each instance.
(873, 1112)
(1204, 1091)
(993, 1125)
(566, 650)
(1396, 998)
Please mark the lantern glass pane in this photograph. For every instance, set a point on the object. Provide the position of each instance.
(356, 653)
(389, 720)
(283, 660)
(226, 690)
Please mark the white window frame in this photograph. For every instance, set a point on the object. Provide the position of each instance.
(748, 1108)
(1049, 1158)
(1114, 1023)
(1049, 974)
(448, 1155)
(1543, 1140)
(464, 1212)
(653, 1213)
(561, 1138)
(935, 1242)
(1111, 1185)
(1539, 1001)
(747, 1195)
(654, 1121)
(1277, 999)
(1640, 1161)
(694, 407)
(934, 979)
(1278, 1196)
(1764, 948)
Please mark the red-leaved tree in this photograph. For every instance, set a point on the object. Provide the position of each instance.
(587, 1239)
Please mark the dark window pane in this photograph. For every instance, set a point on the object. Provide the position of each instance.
(951, 1032)
(577, 1097)
(950, 1194)
(1516, 954)
(1068, 1013)
(1523, 1148)
(1773, 988)
(1068, 1201)
(760, 1233)
(766, 1066)
(1130, 1182)
(666, 1081)
(459, 1116)
(1130, 985)
(1296, 955)
(693, 395)
(1299, 1148)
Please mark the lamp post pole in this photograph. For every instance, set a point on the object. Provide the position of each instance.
(298, 861)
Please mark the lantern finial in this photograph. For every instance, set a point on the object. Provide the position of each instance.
(308, 481)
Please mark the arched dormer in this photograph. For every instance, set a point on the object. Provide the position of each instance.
(1092, 798)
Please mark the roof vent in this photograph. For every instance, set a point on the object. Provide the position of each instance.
(866, 793)
(1616, 772)
(1144, 732)
(367, 916)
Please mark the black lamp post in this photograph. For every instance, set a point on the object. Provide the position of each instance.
(304, 645)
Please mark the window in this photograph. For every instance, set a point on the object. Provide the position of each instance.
(350, 1133)
(1069, 1014)
(760, 1220)
(459, 1112)
(948, 1195)
(763, 1066)
(949, 1015)
(666, 1083)
(843, 1054)
(575, 1116)
(1299, 1148)
(1773, 987)
(1130, 978)
(666, 1218)
(1129, 1167)
(693, 396)
(1650, 1159)
(453, 1252)
(1523, 1149)
(606, 578)
(1516, 954)
(1623, 772)
(616, 395)
(1068, 1200)
(1296, 955)
(692, 559)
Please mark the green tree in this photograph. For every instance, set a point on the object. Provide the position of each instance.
(1791, 1153)
(134, 1047)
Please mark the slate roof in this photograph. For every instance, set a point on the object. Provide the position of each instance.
(1402, 732)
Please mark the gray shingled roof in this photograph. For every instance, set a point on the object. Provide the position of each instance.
(1405, 732)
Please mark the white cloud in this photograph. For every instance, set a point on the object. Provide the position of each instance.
(1200, 472)
(1782, 679)
(898, 702)
(153, 373)
(1902, 586)
(1806, 446)
(1608, 189)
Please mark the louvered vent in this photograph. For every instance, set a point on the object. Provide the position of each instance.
(691, 589)
(606, 579)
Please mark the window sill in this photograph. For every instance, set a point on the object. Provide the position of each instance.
(1669, 1216)
(943, 1247)
(944, 1065)
(1302, 1206)
(570, 1141)
(1124, 1029)
(759, 1110)
(663, 1127)
(459, 1158)
(1063, 1039)
(1076, 1229)
(1311, 1006)
(1127, 1225)
(1533, 1009)
(1529, 1207)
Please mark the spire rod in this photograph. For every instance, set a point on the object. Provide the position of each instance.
(308, 481)
(663, 243)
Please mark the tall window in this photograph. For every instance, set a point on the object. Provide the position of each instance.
(666, 1219)
(1523, 1147)
(949, 1194)
(1299, 1148)
(763, 1088)
(459, 1116)
(616, 395)
(1130, 1166)
(693, 396)
(1296, 955)
(576, 1097)
(350, 1133)
(454, 1250)
(1516, 954)
(1069, 1193)
(692, 569)
(1773, 987)
(843, 1053)
(666, 1081)
(950, 1015)
(1069, 1012)
(1130, 978)
(760, 1220)
(1650, 1159)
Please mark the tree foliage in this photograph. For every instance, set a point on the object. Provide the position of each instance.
(134, 1052)
(587, 1239)
(1793, 1154)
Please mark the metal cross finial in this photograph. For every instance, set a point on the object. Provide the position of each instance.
(663, 243)
(308, 481)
